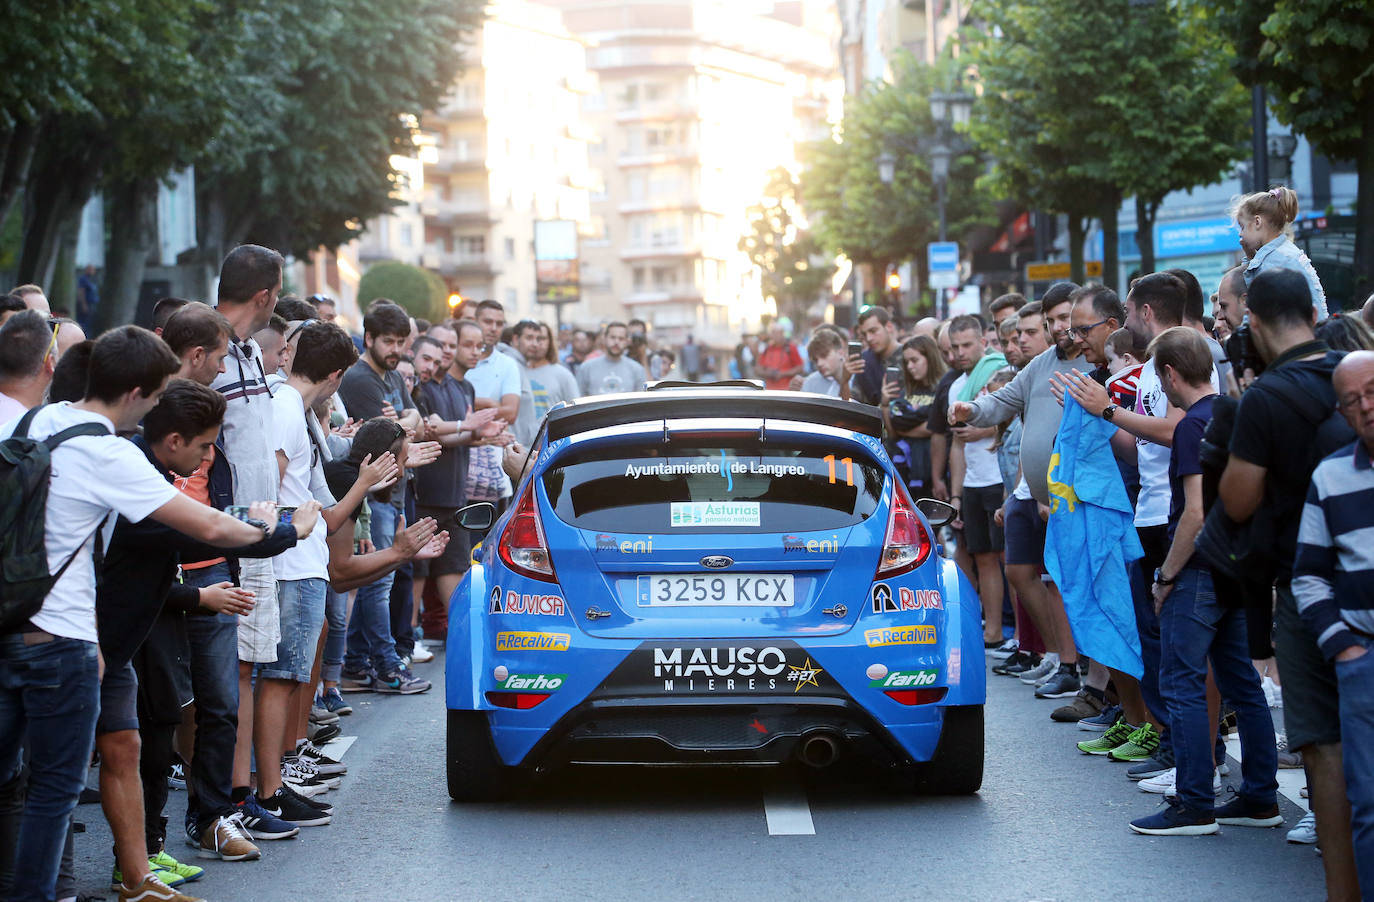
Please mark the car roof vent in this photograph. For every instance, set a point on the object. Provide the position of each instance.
(669, 384)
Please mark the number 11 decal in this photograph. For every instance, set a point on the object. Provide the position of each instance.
(848, 468)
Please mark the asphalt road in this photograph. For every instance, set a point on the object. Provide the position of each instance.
(1049, 824)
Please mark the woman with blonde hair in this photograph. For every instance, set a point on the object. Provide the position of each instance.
(1264, 219)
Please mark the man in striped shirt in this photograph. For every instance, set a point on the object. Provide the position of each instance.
(1333, 582)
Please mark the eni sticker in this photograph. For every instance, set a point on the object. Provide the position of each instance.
(522, 641)
(920, 634)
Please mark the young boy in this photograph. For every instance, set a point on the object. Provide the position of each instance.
(1125, 358)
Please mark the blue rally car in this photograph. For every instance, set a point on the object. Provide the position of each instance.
(713, 575)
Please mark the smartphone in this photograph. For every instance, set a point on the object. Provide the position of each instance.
(856, 348)
(893, 374)
(284, 514)
(237, 511)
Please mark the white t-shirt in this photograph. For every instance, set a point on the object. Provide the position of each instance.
(980, 458)
(309, 559)
(494, 376)
(10, 409)
(1152, 505)
(91, 476)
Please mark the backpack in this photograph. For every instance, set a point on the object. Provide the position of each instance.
(1244, 552)
(25, 470)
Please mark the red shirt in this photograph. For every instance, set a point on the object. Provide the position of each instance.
(1121, 388)
(781, 358)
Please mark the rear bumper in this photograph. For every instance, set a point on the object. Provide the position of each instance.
(733, 731)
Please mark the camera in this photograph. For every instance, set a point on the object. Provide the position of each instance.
(1241, 351)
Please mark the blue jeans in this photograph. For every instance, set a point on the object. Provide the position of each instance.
(51, 691)
(336, 616)
(1155, 541)
(215, 684)
(1193, 630)
(302, 617)
(369, 629)
(1356, 679)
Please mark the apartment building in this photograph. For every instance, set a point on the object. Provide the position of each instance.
(697, 101)
(506, 149)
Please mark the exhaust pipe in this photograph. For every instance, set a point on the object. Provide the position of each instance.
(818, 750)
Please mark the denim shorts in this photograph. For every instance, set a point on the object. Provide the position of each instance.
(1025, 532)
(118, 700)
(260, 628)
(301, 602)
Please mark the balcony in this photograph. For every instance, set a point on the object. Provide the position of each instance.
(654, 156)
(658, 111)
(449, 212)
(581, 132)
(669, 295)
(466, 266)
(685, 201)
(447, 159)
(665, 249)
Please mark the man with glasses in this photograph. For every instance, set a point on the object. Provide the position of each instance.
(1333, 579)
(1030, 396)
(27, 358)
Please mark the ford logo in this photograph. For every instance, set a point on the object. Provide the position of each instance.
(716, 561)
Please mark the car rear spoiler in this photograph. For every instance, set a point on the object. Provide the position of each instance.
(598, 411)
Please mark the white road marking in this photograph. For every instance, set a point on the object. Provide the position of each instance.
(336, 747)
(788, 812)
(1291, 780)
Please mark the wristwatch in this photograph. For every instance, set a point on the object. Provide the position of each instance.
(1160, 580)
(266, 530)
(1109, 411)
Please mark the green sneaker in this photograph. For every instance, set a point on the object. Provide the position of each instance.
(1140, 745)
(169, 878)
(1116, 734)
(187, 872)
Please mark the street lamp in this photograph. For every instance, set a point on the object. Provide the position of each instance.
(940, 156)
(887, 167)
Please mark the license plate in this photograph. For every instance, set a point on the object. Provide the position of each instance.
(715, 590)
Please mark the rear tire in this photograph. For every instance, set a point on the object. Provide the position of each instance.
(957, 766)
(475, 772)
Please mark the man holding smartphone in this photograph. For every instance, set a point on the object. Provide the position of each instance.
(879, 333)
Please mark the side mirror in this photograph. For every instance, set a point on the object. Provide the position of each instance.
(476, 516)
(937, 512)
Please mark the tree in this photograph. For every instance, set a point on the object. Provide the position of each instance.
(788, 256)
(1085, 104)
(853, 211)
(1313, 57)
(410, 286)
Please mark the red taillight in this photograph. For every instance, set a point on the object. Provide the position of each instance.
(909, 696)
(518, 700)
(522, 545)
(907, 544)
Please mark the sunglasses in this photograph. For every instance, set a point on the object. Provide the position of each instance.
(56, 325)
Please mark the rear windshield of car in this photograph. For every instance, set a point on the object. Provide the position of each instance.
(729, 487)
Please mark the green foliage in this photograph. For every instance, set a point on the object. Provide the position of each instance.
(788, 256)
(413, 288)
(854, 212)
(343, 83)
(1086, 103)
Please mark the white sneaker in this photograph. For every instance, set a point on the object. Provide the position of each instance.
(1167, 782)
(1039, 672)
(1272, 693)
(1306, 830)
(300, 783)
(421, 655)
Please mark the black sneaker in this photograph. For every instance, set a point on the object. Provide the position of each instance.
(1241, 812)
(323, 763)
(1015, 659)
(1028, 664)
(1063, 684)
(288, 806)
(323, 807)
(322, 733)
(1162, 760)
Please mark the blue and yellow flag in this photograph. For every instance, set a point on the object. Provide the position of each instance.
(1090, 538)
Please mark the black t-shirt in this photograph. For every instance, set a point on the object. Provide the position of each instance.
(938, 420)
(1184, 457)
(1270, 433)
(441, 483)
